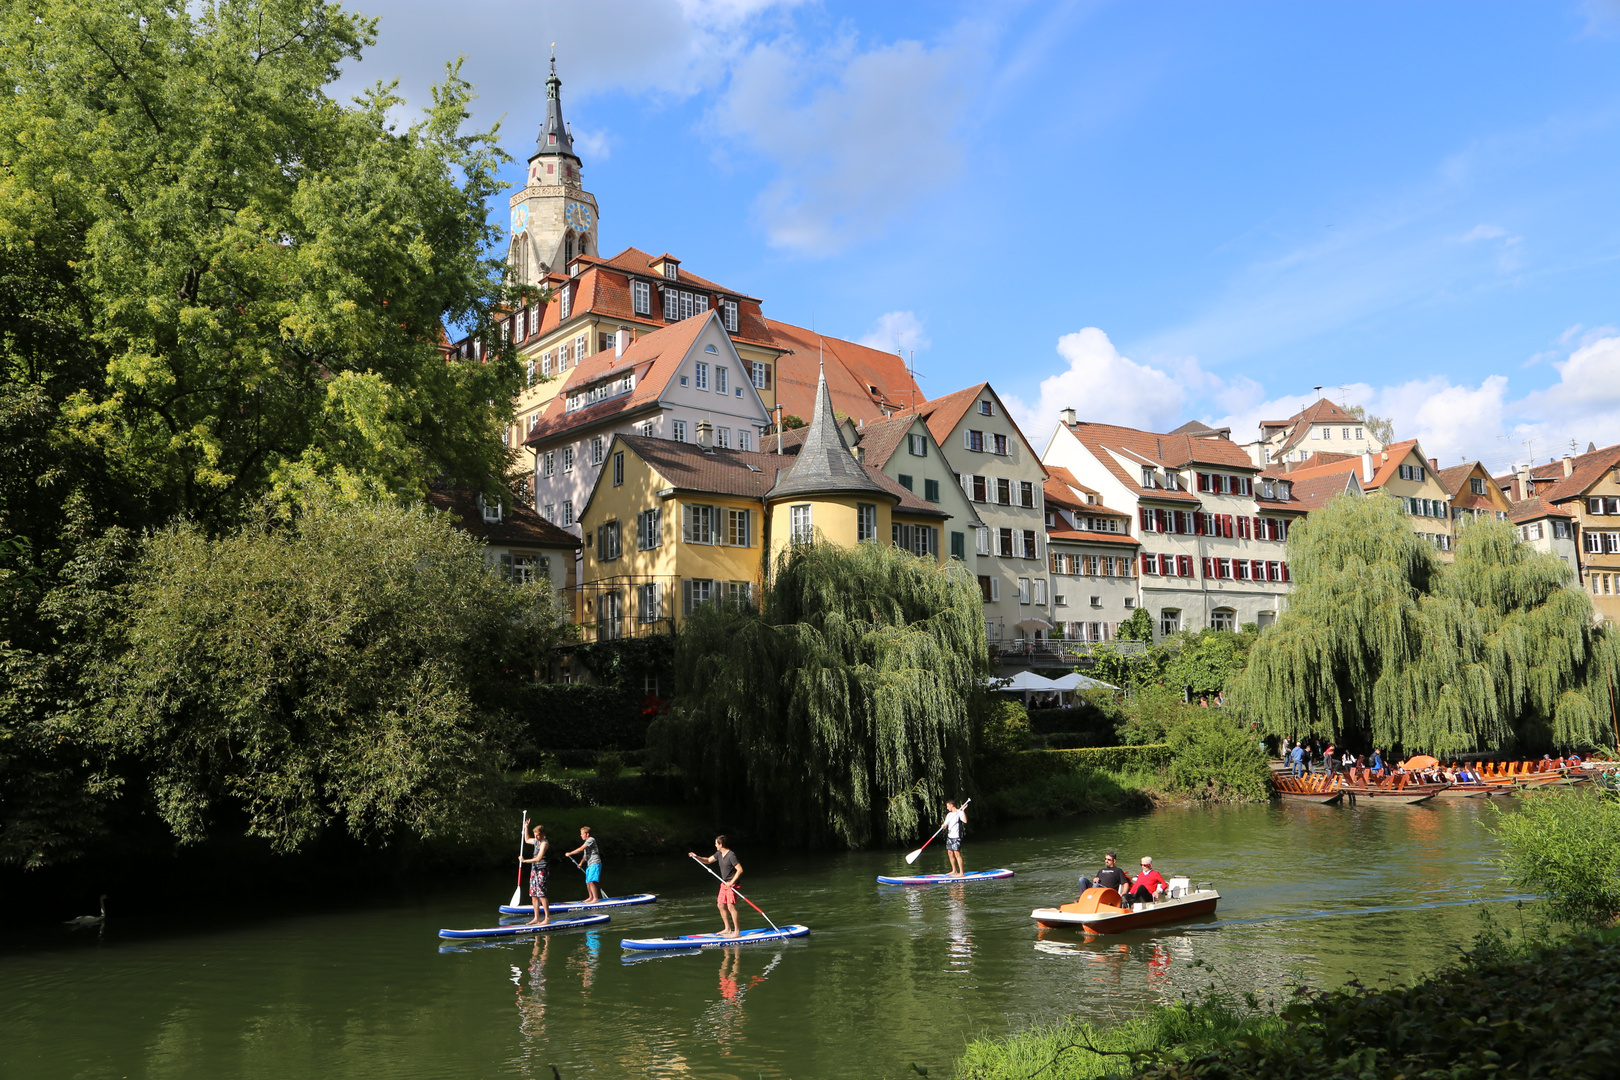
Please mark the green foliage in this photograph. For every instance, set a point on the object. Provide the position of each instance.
(624, 662)
(1096, 718)
(791, 421)
(1153, 711)
(1382, 645)
(1003, 729)
(1205, 661)
(580, 716)
(841, 712)
(215, 281)
(1037, 764)
(1214, 758)
(1378, 427)
(609, 765)
(1082, 791)
(1139, 627)
(355, 663)
(1548, 1013)
(1565, 844)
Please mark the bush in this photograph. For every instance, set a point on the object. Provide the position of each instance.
(1084, 791)
(1037, 764)
(1216, 758)
(1153, 711)
(560, 717)
(1003, 730)
(1097, 716)
(1566, 845)
(609, 765)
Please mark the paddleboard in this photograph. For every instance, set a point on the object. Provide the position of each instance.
(516, 929)
(585, 905)
(943, 879)
(703, 941)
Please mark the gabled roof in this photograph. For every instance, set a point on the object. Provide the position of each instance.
(654, 358)
(1199, 428)
(1534, 508)
(1313, 492)
(1386, 463)
(1061, 532)
(1062, 487)
(879, 439)
(944, 413)
(519, 525)
(824, 464)
(853, 371)
(1109, 444)
(1320, 411)
(1589, 469)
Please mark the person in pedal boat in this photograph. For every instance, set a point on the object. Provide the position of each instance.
(1109, 877)
(591, 863)
(954, 820)
(1146, 884)
(539, 875)
(726, 864)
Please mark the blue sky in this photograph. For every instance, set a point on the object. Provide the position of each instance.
(1149, 212)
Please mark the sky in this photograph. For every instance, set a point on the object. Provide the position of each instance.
(1150, 213)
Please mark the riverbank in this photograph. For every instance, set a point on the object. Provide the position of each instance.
(1498, 1013)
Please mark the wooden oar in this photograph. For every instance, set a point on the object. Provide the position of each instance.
(736, 890)
(523, 836)
(913, 857)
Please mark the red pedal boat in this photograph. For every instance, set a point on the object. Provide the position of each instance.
(1104, 911)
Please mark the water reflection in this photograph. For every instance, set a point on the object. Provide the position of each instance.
(532, 1005)
(960, 950)
(722, 1020)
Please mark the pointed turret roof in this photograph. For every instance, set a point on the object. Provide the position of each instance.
(554, 137)
(824, 465)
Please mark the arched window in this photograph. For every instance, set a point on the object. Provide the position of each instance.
(568, 246)
(1223, 618)
(584, 245)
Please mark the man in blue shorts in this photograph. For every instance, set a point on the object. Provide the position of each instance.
(954, 820)
(591, 863)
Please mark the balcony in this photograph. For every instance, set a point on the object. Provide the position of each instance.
(1058, 653)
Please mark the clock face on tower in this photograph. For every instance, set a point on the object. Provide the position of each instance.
(520, 218)
(578, 216)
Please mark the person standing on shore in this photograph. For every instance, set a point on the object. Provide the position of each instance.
(727, 865)
(1297, 756)
(954, 820)
(539, 875)
(591, 863)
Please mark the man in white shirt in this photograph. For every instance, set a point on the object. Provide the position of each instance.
(954, 820)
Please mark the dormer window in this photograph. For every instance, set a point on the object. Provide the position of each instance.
(492, 510)
(1171, 480)
(1283, 489)
(1268, 490)
(641, 297)
(672, 271)
(1148, 480)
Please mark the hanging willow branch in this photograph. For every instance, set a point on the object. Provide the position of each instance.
(840, 713)
(1384, 645)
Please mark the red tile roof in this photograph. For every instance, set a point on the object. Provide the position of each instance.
(1061, 533)
(1104, 441)
(1589, 469)
(1386, 463)
(1320, 411)
(1533, 508)
(852, 371)
(1313, 492)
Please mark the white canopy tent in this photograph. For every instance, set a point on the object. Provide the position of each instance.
(1076, 681)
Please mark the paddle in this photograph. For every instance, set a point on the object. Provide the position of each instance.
(736, 890)
(523, 835)
(913, 857)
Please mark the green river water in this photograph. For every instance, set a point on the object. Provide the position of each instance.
(888, 976)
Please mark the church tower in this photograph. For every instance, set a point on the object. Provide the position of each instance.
(553, 217)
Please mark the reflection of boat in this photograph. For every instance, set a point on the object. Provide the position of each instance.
(944, 879)
(706, 941)
(516, 929)
(1103, 911)
(585, 905)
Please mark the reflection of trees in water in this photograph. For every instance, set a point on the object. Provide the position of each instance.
(721, 1020)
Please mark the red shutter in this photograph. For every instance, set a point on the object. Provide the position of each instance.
(1144, 512)
(1203, 481)
(1207, 572)
(1257, 570)
(1259, 529)
(1147, 563)
(1198, 523)
(1284, 571)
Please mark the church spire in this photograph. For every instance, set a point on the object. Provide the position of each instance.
(825, 465)
(554, 137)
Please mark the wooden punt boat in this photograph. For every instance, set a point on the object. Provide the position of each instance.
(1104, 911)
(1314, 789)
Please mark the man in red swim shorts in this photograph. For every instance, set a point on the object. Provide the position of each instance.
(725, 863)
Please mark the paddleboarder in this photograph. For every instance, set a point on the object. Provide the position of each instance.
(539, 875)
(591, 862)
(729, 869)
(954, 820)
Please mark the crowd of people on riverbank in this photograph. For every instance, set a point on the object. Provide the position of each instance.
(1317, 756)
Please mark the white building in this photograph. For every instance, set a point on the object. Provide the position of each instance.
(1092, 558)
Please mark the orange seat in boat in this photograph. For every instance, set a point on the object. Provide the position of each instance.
(1095, 899)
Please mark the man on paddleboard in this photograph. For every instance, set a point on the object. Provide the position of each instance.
(726, 864)
(954, 820)
(591, 863)
(539, 876)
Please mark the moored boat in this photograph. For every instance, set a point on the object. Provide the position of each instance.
(1104, 911)
(1315, 789)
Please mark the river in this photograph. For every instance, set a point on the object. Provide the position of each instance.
(888, 976)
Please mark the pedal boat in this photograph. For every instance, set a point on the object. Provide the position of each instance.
(1104, 911)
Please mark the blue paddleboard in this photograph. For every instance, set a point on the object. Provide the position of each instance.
(944, 879)
(702, 941)
(517, 929)
(585, 905)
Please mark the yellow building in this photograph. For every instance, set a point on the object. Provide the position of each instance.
(671, 526)
(1401, 471)
(1475, 495)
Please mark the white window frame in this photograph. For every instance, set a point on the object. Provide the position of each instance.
(700, 376)
(598, 446)
(698, 524)
(567, 512)
(728, 310)
(801, 524)
(650, 529)
(722, 382)
(548, 463)
(641, 297)
(865, 523)
(760, 371)
(567, 459)
(677, 430)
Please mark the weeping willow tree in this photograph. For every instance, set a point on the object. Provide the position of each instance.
(839, 713)
(1384, 645)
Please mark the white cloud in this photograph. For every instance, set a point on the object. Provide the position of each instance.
(1482, 232)
(897, 331)
(855, 136)
(1100, 384)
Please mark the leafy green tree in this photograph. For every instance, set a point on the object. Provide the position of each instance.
(1381, 428)
(215, 282)
(1206, 661)
(1214, 758)
(354, 664)
(841, 712)
(1565, 845)
(1139, 627)
(1384, 645)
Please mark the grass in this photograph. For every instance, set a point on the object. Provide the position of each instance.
(1075, 1050)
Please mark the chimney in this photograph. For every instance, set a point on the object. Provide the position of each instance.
(1067, 416)
(1434, 464)
(705, 436)
(621, 342)
(1367, 469)
(1569, 465)
(1525, 488)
